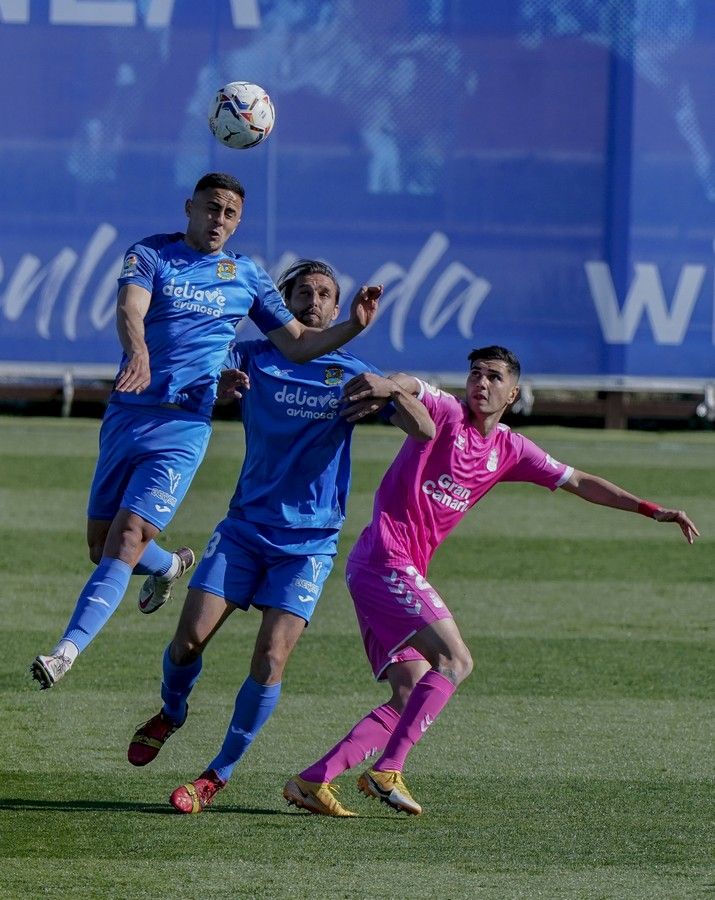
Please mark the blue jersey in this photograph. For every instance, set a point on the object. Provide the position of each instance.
(197, 299)
(296, 473)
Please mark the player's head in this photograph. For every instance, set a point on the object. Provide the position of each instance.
(311, 291)
(220, 180)
(492, 382)
(494, 352)
(214, 211)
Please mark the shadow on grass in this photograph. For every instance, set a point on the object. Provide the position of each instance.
(21, 804)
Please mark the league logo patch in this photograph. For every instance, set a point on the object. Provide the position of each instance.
(334, 375)
(130, 265)
(226, 270)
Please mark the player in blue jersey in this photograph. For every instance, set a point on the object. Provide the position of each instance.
(180, 298)
(276, 546)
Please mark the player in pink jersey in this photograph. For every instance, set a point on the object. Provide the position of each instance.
(409, 634)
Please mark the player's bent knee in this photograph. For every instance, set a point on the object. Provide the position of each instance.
(467, 666)
(267, 666)
(132, 541)
(463, 662)
(128, 535)
(457, 667)
(184, 652)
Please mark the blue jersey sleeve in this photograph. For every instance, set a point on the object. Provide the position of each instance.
(268, 309)
(141, 260)
(240, 354)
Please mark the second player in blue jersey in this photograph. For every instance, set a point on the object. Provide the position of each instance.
(275, 548)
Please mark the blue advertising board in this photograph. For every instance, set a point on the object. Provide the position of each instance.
(535, 173)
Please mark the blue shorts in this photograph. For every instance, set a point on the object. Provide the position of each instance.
(249, 566)
(147, 460)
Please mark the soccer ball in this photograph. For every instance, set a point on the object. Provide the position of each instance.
(241, 115)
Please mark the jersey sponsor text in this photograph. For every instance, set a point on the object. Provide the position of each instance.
(305, 405)
(196, 299)
(447, 493)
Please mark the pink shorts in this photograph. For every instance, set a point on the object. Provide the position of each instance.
(392, 602)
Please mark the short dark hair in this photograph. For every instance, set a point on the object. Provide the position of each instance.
(220, 180)
(501, 353)
(287, 279)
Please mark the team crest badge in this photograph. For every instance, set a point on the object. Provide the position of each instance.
(493, 461)
(130, 265)
(226, 270)
(334, 375)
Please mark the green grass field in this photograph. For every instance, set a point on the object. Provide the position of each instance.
(577, 762)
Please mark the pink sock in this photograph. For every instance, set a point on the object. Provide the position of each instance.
(427, 700)
(365, 739)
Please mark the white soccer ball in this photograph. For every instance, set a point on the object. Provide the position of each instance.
(241, 115)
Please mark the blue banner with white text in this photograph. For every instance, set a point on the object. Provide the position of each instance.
(534, 173)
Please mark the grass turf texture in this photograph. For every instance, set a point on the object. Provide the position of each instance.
(575, 763)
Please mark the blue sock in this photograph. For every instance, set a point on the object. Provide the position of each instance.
(99, 598)
(154, 560)
(254, 704)
(176, 686)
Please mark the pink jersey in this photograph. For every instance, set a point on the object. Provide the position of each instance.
(430, 485)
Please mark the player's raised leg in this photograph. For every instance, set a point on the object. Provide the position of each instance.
(163, 567)
(142, 459)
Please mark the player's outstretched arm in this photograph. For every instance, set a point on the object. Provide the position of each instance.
(368, 392)
(132, 307)
(605, 493)
(299, 343)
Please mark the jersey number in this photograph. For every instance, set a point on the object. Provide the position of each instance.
(212, 545)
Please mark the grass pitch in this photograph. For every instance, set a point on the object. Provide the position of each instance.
(575, 763)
